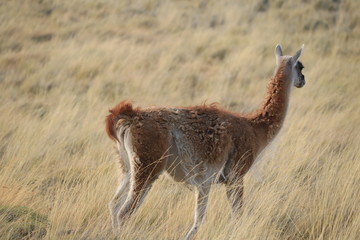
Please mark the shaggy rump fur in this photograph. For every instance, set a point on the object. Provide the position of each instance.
(124, 108)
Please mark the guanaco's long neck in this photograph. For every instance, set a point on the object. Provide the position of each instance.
(268, 119)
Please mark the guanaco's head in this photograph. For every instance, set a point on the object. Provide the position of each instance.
(297, 78)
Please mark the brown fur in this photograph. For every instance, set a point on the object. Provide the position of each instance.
(198, 145)
(270, 116)
(209, 128)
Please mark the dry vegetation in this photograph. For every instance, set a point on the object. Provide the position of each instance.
(63, 64)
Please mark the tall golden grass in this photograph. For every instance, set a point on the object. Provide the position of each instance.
(63, 64)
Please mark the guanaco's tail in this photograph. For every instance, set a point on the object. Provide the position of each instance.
(120, 116)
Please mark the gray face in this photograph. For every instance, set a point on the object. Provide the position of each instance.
(300, 78)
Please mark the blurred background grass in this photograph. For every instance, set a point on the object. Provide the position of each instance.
(63, 64)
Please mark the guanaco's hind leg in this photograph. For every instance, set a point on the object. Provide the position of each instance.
(142, 178)
(119, 199)
(122, 191)
(145, 144)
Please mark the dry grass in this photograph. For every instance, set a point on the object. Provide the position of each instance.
(63, 64)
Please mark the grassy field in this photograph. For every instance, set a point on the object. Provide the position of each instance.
(63, 64)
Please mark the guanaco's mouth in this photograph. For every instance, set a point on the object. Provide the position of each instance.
(300, 85)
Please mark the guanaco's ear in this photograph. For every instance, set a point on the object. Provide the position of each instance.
(278, 53)
(298, 54)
